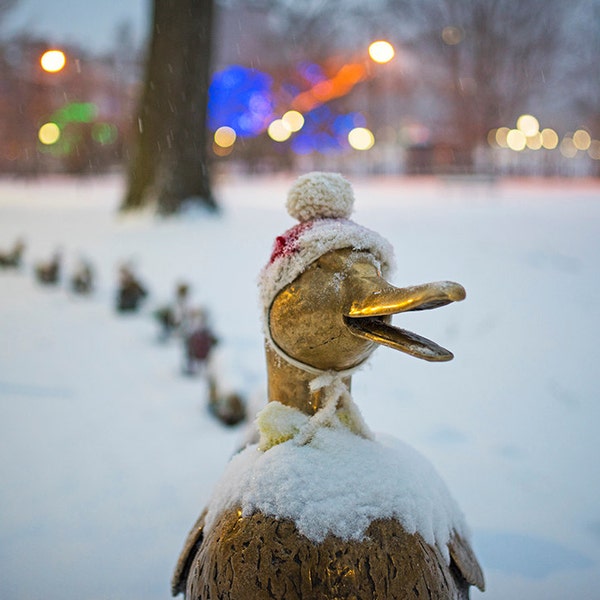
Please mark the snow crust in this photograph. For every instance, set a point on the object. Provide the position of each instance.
(337, 484)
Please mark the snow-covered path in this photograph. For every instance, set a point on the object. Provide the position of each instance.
(107, 453)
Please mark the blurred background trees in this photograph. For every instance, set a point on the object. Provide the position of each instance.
(292, 87)
(491, 60)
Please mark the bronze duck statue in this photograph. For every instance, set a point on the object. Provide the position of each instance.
(320, 508)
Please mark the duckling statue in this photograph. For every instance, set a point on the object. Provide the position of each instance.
(320, 507)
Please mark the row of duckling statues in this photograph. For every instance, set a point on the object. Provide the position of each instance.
(177, 319)
(49, 272)
(318, 506)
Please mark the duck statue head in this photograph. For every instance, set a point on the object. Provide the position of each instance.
(320, 507)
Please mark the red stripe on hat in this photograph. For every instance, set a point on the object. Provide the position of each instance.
(288, 243)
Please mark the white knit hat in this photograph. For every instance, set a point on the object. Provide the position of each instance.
(322, 202)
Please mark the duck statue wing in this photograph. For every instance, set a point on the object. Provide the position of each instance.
(464, 559)
(188, 553)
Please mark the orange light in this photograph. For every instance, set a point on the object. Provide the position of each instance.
(336, 87)
(53, 61)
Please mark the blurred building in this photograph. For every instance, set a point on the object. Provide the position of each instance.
(357, 114)
(75, 120)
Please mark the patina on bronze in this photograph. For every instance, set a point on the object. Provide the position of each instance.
(331, 317)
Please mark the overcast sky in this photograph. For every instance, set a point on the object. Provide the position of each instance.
(88, 23)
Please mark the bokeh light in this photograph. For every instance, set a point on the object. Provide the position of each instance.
(594, 150)
(76, 112)
(567, 147)
(501, 135)
(516, 140)
(240, 98)
(49, 133)
(53, 61)
(528, 124)
(361, 138)
(293, 120)
(381, 51)
(225, 136)
(534, 142)
(549, 138)
(105, 133)
(582, 139)
(452, 35)
(278, 131)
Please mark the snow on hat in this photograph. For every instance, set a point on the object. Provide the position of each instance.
(322, 202)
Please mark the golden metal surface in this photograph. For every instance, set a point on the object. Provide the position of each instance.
(335, 314)
(260, 556)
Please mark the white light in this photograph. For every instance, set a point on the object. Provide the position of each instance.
(516, 140)
(361, 138)
(293, 120)
(381, 51)
(53, 61)
(528, 124)
(279, 131)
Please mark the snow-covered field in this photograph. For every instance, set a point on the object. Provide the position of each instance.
(108, 454)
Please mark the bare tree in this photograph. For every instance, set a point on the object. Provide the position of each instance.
(485, 58)
(169, 160)
(5, 7)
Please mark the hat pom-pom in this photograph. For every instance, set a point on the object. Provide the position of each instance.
(320, 195)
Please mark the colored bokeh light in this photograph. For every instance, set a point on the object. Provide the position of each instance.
(242, 99)
(279, 131)
(501, 135)
(381, 51)
(567, 148)
(325, 132)
(225, 137)
(452, 35)
(528, 124)
(49, 133)
(534, 142)
(293, 120)
(516, 140)
(582, 139)
(549, 138)
(53, 61)
(594, 150)
(105, 133)
(361, 138)
(76, 112)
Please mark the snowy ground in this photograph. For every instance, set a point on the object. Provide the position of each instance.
(107, 453)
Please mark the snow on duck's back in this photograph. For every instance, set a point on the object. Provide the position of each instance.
(337, 485)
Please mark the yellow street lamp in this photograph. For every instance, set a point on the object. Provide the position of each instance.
(49, 133)
(381, 51)
(361, 138)
(53, 61)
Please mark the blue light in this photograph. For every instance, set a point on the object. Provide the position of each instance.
(242, 99)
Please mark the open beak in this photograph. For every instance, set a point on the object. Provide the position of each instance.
(367, 317)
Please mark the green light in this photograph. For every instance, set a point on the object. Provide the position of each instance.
(104, 133)
(76, 112)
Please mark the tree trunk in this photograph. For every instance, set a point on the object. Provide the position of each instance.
(169, 162)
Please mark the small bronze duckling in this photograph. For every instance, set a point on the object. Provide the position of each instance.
(321, 508)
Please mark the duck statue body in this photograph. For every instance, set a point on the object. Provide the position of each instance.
(320, 507)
